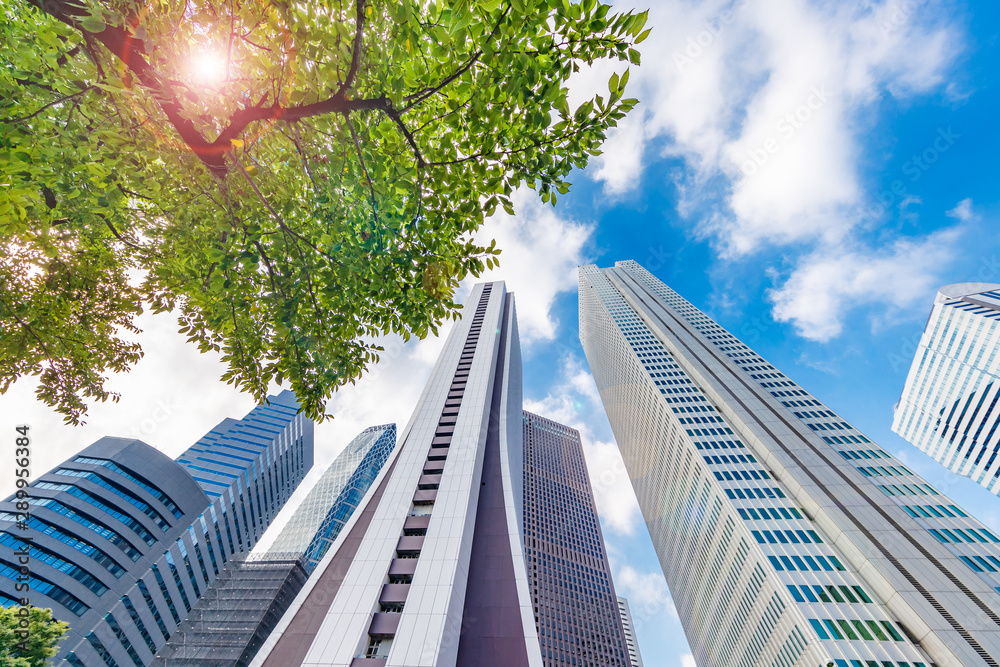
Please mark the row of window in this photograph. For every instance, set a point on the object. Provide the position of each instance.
(77, 492)
(978, 563)
(801, 404)
(817, 593)
(153, 491)
(786, 536)
(751, 494)
(719, 444)
(734, 458)
(806, 563)
(82, 546)
(46, 587)
(946, 535)
(43, 555)
(913, 490)
(929, 511)
(863, 454)
(128, 497)
(814, 414)
(823, 426)
(700, 420)
(709, 431)
(882, 631)
(749, 475)
(883, 471)
(765, 513)
(846, 439)
(874, 663)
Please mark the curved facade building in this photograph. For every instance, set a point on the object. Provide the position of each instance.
(97, 524)
(950, 407)
(123, 540)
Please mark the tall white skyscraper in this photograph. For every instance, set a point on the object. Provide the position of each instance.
(949, 405)
(635, 658)
(477, 544)
(786, 536)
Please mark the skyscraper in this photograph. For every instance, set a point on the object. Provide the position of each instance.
(635, 658)
(317, 521)
(786, 536)
(949, 408)
(124, 540)
(577, 624)
(230, 622)
(432, 568)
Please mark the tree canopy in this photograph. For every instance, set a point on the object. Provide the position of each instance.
(35, 648)
(291, 179)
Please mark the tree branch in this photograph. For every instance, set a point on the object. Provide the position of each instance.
(359, 26)
(51, 104)
(394, 115)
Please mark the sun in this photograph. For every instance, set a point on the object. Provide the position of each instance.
(208, 68)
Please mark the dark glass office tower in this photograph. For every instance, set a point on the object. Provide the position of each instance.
(787, 536)
(576, 609)
(125, 541)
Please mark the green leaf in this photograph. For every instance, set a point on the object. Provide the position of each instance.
(93, 23)
(335, 232)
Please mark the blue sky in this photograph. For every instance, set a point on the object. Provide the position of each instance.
(819, 239)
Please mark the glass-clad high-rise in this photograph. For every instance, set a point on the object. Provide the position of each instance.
(231, 621)
(330, 503)
(949, 407)
(786, 536)
(125, 541)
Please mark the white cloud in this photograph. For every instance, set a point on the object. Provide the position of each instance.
(647, 594)
(768, 105)
(962, 211)
(540, 253)
(687, 660)
(171, 398)
(620, 165)
(772, 97)
(825, 284)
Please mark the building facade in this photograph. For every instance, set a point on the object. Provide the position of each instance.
(232, 619)
(949, 407)
(571, 587)
(229, 624)
(124, 541)
(634, 656)
(786, 536)
(330, 503)
(432, 570)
